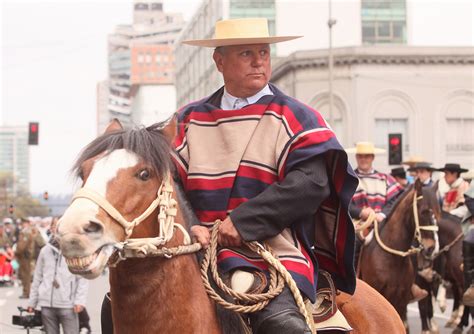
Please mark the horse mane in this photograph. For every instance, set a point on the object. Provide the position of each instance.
(148, 143)
(399, 201)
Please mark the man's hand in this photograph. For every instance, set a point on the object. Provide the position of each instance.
(78, 308)
(365, 213)
(201, 234)
(228, 235)
(30, 309)
(380, 217)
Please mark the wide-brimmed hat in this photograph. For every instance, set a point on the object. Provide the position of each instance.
(452, 168)
(421, 165)
(365, 147)
(399, 171)
(411, 161)
(240, 32)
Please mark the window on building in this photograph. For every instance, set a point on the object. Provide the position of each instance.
(384, 126)
(141, 6)
(383, 21)
(140, 58)
(148, 58)
(459, 132)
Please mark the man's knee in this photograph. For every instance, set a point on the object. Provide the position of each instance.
(285, 322)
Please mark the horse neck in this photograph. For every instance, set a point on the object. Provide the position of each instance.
(399, 228)
(161, 295)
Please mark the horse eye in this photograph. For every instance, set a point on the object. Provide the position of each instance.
(144, 174)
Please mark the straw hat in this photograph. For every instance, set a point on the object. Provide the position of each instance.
(240, 32)
(365, 147)
(412, 160)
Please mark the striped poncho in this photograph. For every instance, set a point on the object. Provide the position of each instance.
(226, 157)
(376, 190)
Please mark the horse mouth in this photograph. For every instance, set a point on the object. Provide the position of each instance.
(90, 266)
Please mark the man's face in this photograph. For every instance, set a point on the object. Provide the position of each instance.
(423, 174)
(364, 162)
(450, 177)
(246, 68)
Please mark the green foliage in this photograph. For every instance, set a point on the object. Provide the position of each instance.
(24, 204)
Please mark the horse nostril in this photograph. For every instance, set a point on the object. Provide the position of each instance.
(93, 227)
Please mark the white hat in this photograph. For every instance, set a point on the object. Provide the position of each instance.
(240, 32)
(365, 147)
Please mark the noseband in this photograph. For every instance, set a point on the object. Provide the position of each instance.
(143, 247)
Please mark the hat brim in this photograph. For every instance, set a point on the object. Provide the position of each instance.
(214, 43)
(460, 170)
(335, 322)
(374, 151)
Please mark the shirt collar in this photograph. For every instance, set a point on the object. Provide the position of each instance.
(228, 100)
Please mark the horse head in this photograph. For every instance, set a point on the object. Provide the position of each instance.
(121, 172)
(429, 213)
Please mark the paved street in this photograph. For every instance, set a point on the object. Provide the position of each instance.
(9, 301)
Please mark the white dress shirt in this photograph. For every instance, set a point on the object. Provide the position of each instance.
(230, 102)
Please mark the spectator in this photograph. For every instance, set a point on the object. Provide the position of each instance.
(60, 294)
(6, 256)
(28, 239)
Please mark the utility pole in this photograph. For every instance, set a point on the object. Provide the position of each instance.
(331, 22)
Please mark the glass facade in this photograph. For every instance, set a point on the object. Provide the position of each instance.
(252, 8)
(384, 21)
(14, 156)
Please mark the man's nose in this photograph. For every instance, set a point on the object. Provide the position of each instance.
(257, 60)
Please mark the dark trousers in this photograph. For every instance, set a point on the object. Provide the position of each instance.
(106, 322)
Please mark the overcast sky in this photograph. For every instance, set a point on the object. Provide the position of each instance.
(53, 55)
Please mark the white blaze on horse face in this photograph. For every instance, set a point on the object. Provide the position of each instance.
(104, 170)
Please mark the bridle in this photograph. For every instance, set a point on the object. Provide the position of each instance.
(146, 247)
(417, 233)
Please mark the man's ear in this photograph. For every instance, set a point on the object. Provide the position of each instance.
(171, 128)
(218, 59)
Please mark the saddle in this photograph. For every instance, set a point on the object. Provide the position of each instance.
(326, 316)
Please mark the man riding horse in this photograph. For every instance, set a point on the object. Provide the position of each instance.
(377, 192)
(271, 169)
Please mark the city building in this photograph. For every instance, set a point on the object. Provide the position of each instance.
(140, 54)
(14, 159)
(389, 76)
(424, 93)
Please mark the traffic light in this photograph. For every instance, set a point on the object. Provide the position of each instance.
(45, 195)
(33, 133)
(395, 148)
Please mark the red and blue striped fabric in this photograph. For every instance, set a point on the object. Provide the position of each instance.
(227, 157)
(375, 190)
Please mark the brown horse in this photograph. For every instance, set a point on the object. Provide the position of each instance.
(393, 274)
(447, 262)
(122, 173)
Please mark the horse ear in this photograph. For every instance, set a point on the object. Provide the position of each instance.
(170, 130)
(114, 125)
(418, 187)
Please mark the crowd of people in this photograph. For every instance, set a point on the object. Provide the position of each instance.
(30, 257)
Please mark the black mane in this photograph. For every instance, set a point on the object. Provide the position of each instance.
(149, 143)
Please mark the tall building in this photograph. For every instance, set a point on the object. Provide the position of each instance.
(15, 158)
(140, 54)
